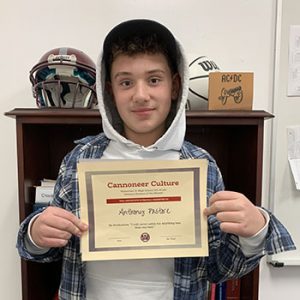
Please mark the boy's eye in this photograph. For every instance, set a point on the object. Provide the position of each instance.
(125, 83)
(154, 80)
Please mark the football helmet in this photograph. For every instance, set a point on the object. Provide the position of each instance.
(65, 78)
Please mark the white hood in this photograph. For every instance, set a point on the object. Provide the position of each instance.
(111, 122)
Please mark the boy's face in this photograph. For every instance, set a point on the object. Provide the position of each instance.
(143, 89)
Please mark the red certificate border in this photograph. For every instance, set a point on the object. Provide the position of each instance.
(90, 206)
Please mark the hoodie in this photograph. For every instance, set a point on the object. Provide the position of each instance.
(168, 145)
(128, 279)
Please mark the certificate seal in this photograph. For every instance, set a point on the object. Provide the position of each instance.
(145, 237)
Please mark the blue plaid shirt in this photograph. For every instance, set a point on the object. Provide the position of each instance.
(225, 259)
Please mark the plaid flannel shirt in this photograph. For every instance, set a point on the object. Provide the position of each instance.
(225, 260)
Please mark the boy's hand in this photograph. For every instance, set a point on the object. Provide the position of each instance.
(55, 226)
(236, 213)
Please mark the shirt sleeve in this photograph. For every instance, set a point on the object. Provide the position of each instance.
(30, 245)
(233, 257)
(255, 244)
(26, 248)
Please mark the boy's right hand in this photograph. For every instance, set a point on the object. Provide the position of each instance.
(55, 226)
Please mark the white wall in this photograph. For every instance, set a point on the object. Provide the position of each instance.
(286, 203)
(238, 34)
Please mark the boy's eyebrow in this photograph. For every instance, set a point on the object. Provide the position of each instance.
(121, 74)
(124, 73)
(157, 71)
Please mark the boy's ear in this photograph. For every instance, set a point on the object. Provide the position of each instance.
(176, 83)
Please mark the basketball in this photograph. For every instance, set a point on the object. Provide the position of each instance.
(199, 69)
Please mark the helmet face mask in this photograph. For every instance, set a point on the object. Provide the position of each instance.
(64, 94)
(64, 78)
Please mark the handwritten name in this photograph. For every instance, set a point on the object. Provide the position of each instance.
(143, 212)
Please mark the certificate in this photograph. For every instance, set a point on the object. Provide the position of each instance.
(143, 209)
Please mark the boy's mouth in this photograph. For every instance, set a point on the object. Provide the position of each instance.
(143, 111)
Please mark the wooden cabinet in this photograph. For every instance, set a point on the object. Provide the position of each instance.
(44, 136)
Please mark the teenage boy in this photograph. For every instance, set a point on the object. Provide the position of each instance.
(142, 85)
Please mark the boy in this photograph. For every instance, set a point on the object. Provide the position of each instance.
(142, 83)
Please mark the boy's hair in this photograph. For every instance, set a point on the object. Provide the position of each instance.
(139, 36)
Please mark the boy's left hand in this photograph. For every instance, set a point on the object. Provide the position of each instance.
(237, 214)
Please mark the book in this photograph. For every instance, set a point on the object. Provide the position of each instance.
(208, 290)
(213, 287)
(44, 192)
(221, 291)
(37, 206)
(233, 289)
(48, 182)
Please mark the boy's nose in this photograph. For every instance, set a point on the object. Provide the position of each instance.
(141, 93)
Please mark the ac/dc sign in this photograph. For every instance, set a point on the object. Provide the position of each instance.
(230, 91)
